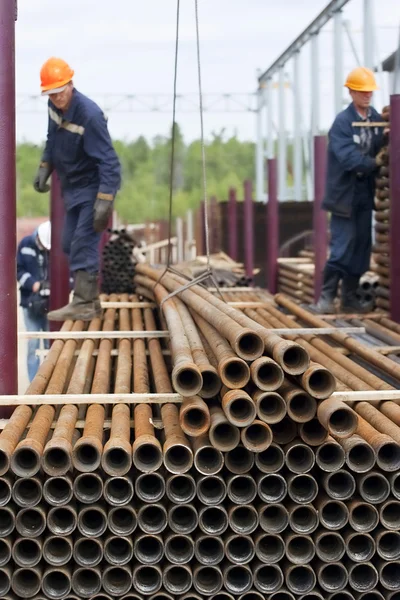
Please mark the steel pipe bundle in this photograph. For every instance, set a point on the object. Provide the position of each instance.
(118, 263)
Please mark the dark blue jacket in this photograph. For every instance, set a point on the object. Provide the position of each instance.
(347, 166)
(32, 266)
(79, 147)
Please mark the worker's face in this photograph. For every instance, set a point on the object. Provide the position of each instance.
(62, 100)
(361, 99)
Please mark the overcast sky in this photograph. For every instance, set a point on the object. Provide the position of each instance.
(127, 47)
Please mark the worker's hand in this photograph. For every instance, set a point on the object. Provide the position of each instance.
(382, 158)
(103, 208)
(40, 182)
(36, 287)
(386, 113)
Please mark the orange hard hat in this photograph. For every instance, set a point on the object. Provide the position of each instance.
(361, 79)
(54, 76)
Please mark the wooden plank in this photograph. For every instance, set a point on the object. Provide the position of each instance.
(107, 304)
(56, 399)
(370, 124)
(114, 352)
(367, 396)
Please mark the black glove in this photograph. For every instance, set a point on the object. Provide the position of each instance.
(103, 208)
(41, 178)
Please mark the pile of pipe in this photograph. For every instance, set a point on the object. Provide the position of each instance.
(381, 253)
(118, 263)
(257, 485)
(296, 278)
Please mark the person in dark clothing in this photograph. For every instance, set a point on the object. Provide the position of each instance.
(354, 154)
(33, 281)
(80, 149)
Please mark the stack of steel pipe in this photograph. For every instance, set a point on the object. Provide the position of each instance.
(382, 218)
(257, 484)
(296, 278)
(118, 263)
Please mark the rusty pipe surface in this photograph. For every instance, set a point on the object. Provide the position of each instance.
(232, 369)
(211, 489)
(57, 582)
(312, 432)
(86, 454)
(270, 460)
(388, 545)
(317, 381)
(387, 450)
(27, 552)
(329, 546)
(377, 420)
(389, 515)
(270, 406)
(6, 546)
(152, 518)
(118, 550)
(359, 455)
(363, 577)
(183, 518)
(302, 488)
(88, 487)
(301, 407)
(300, 579)
(88, 552)
(147, 579)
(58, 491)
(57, 454)
(177, 579)
(31, 522)
(117, 454)
(299, 548)
(118, 491)
(178, 455)
(238, 579)
(209, 549)
(272, 487)
(122, 520)
(339, 419)
(223, 435)
(244, 340)
(239, 548)
(6, 485)
(92, 520)
(238, 407)
(269, 548)
(257, 436)
(274, 518)
(339, 485)
(86, 581)
(57, 550)
(27, 491)
(179, 548)
(146, 449)
(240, 460)
(332, 577)
(303, 518)
(25, 460)
(207, 580)
(363, 516)
(330, 455)
(180, 489)
(11, 435)
(150, 487)
(266, 374)
(213, 520)
(194, 416)
(241, 489)
(373, 487)
(299, 457)
(25, 582)
(207, 459)
(360, 547)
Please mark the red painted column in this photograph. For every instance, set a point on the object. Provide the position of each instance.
(232, 224)
(59, 269)
(320, 225)
(248, 229)
(272, 227)
(394, 150)
(8, 242)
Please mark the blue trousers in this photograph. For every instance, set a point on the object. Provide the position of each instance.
(80, 242)
(34, 324)
(351, 242)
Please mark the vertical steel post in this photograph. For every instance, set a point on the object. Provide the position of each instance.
(8, 242)
(232, 225)
(319, 217)
(59, 268)
(248, 229)
(201, 229)
(315, 105)
(190, 242)
(338, 57)
(282, 138)
(369, 51)
(272, 227)
(259, 145)
(394, 148)
(179, 238)
(297, 150)
(270, 120)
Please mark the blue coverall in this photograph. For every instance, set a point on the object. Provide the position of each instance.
(350, 189)
(32, 266)
(80, 149)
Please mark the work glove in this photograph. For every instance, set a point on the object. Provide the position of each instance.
(103, 208)
(44, 172)
(382, 158)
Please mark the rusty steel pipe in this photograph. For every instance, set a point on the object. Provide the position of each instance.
(241, 489)
(181, 489)
(330, 455)
(257, 436)
(7, 520)
(86, 454)
(238, 579)
(207, 579)
(243, 519)
(86, 581)
(31, 522)
(25, 582)
(27, 491)
(359, 455)
(394, 479)
(179, 549)
(118, 550)
(223, 435)
(313, 432)
(150, 487)
(267, 578)
(389, 515)
(274, 518)
(147, 579)
(238, 407)
(146, 449)
(299, 457)
(152, 518)
(88, 488)
(329, 546)
(211, 489)
(269, 548)
(58, 491)
(271, 487)
(389, 577)
(118, 491)
(266, 374)
(270, 406)
(207, 459)
(117, 453)
(194, 416)
(339, 485)
(301, 407)
(57, 454)
(88, 552)
(11, 435)
(299, 548)
(300, 579)
(333, 514)
(285, 431)
(388, 545)
(303, 518)
(5, 583)
(27, 552)
(213, 520)
(92, 520)
(232, 369)
(57, 550)
(239, 549)
(363, 516)
(183, 518)
(6, 485)
(240, 460)
(57, 582)
(282, 594)
(177, 579)
(208, 549)
(373, 487)
(122, 520)
(339, 419)
(270, 460)
(302, 488)
(25, 460)
(360, 547)
(332, 577)
(363, 577)
(178, 455)
(317, 381)
(148, 549)
(5, 551)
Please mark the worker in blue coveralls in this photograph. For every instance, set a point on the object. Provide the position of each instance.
(80, 149)
(33, 281)
(354, 155)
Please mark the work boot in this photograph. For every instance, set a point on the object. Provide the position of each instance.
(350, 302)
(85, 304)
(325, 304)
